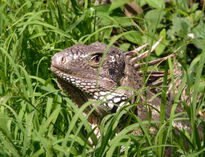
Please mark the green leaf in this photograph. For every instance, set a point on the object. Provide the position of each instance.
(158, 4)
(134, 37)
(182, 5)
(5, 123)
(123, 21)
(180, 26)
(199, 36)
(199, 43)
(107, 33)
(197, 15)
(118, 3)
(160, 48)
(153, 18)
(199, 31)
(142, 2)
(124, 46)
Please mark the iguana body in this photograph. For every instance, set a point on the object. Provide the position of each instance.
(77, 74)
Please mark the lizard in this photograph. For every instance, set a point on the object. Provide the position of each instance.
(76, 69)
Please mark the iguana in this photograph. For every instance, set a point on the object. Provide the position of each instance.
(78, 74)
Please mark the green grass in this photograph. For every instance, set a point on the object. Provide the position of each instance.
(37, 119)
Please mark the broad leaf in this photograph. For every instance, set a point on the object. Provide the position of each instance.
(118, 3)
(158, 4)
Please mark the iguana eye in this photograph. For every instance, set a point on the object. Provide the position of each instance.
(95, 60)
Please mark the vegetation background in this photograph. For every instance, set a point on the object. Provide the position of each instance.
(36, 119)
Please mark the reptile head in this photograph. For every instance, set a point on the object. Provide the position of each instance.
(79, 75)
(78, 66)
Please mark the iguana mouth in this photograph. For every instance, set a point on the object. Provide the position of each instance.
(88, 86)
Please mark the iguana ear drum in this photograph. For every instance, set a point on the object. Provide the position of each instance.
(111, 71)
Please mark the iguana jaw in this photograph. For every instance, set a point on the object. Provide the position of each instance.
(81, 83)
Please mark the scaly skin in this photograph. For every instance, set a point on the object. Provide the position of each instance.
(77, 68)
(79, 76)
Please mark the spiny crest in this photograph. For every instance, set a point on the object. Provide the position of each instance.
(134, 59)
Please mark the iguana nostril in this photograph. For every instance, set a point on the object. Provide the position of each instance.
(63, 59)
(57, 59)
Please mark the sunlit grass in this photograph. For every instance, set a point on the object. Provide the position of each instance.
(37, 119)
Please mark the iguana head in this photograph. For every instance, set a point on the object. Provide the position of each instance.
(78, 68)
(79, 75)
